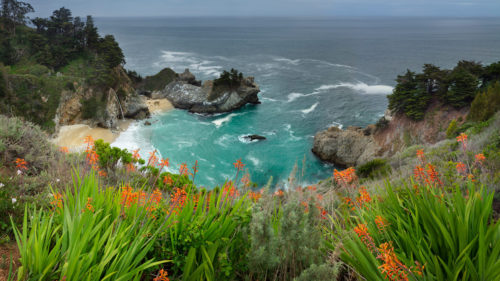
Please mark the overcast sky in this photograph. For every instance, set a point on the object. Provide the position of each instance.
(101, 8)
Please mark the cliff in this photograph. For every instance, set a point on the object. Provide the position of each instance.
(356, 146)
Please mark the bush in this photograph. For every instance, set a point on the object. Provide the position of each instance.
(284, 239)
(452, 129)
(93, 108)
(485, 104)
(374, 169)
(323, 272)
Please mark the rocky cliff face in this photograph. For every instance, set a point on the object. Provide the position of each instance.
(356, 146)
(186, 92)
(345, 148)
(107, 107)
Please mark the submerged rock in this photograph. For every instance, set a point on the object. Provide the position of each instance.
(255, 137)
(345, 148)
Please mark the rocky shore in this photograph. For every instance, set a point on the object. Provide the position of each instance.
(356, 146)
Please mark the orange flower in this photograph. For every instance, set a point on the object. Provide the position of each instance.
(392, 268)
(279, 193)
(130, 167)
(345, 178)
(381, 223)
(161, 276)
(239, 165)
(102, 173)
(421, 155)
(311, 187)
(135, 155)
(153, 159)
(480, 158)
(306, 206)
(21, 164)
(433, 174)
(254, 196)
(463, 139)
(64, 149)
(461, 168)
(89, 141)
(362, 232)
(168, 180)
(471, 177)
(183, 170)
(164, 162)
(89, 205)
(246, 180)
(57, 202)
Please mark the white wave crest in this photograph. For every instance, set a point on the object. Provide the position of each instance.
(290, 61)
(220, 121)
(254, 160)
(360, 87)
(310, 109)
(195, 62)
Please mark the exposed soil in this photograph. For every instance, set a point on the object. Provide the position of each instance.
(6, 252)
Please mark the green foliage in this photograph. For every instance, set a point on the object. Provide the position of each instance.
(109, 157)
(158, 81)
(111, 52)
(486, 103)
(85, 238)
(409, 97)
(323, 272)
(93, 108)
(415, 91)
(285, 240)
(226, 81)
(374, 169)
(463, 87)
(452, 129)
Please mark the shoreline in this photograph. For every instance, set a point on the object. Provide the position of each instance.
(72, 136)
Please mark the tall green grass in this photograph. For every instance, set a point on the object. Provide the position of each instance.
(452, 234)
(87, 238)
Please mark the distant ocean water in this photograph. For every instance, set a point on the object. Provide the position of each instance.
(313, 73)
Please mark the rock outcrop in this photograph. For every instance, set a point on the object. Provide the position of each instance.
(255, 137)
(356, 146)
(185, 92)
(345, 148)
(86, 104)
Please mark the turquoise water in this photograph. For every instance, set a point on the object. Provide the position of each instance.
(313, 73)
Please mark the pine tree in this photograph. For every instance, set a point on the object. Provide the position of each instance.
(91, 34)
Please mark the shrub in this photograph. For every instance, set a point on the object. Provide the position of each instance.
(93, 108)
(452, 129)
(373, 169)
(485, 104)
(284, 239)
(323, 272)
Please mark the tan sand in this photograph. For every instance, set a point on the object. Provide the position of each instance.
(72, 136)
(159, 105)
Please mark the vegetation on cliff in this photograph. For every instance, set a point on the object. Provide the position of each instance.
(60, 54)
(456, 87)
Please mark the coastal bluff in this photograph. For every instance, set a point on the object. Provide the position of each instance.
(356, 146)
(221, 95)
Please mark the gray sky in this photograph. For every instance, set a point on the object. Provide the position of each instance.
(452, 8)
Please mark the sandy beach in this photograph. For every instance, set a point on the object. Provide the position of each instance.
(72, 136)
(159, 105)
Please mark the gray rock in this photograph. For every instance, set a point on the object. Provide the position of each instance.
(255, 137)
(189, 78)
(205, 100)
(136, 108)
(345, 148)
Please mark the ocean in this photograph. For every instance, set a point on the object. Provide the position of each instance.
(313, 73)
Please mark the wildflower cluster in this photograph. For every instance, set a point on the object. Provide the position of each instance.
(21, 164)
(162, 276)
(57, 202)
(392, 267)
(346, 178)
